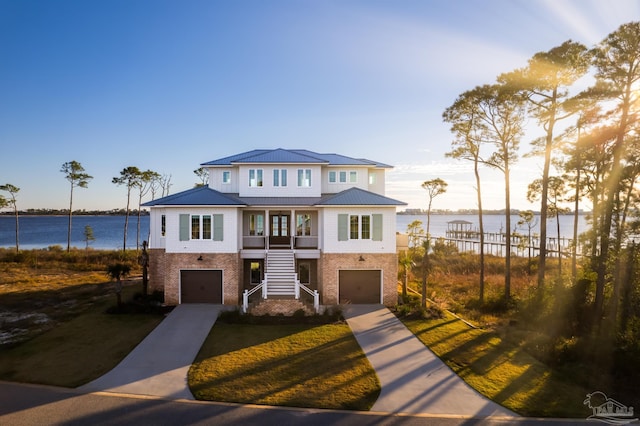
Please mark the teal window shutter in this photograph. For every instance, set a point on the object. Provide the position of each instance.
(184, 227)
(343, 227)
(376, 220)
(218, 227)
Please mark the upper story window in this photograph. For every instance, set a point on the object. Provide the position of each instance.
(343, 176)
(303, 224)
(353, 177)
(256, 224)
(304, 178)
(163, 225)
(332, 177)
(280, 177)
(372, 179)
(226, 177)
(255, 177)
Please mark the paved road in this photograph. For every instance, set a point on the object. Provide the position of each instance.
(43, 405)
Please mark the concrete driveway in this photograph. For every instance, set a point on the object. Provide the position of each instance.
(412, 378)
(158, 366)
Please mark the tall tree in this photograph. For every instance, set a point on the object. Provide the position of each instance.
(617, 62)
(546, 81)
(12, 201)
(502, 113)
(434, 187)
(74, 173)
(467, 130)
(145, 183)
(129, 177)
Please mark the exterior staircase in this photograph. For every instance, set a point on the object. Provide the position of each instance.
(280, 273)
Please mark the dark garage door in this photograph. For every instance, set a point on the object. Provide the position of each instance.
(201, 286)
(360, 286)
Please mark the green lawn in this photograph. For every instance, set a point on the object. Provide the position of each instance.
(501, 370)
(296, 365)
(80, 350)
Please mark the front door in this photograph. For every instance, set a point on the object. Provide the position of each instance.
(279, 235)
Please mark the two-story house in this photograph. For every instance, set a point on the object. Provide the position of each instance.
(282, 222)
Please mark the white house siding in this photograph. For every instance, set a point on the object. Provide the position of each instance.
(378, 185)
(215, 179)
(229, 244)
(291, 190)
(330, 243)
(333, 188)
(156, 240)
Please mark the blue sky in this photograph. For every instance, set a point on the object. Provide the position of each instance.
(167, 85)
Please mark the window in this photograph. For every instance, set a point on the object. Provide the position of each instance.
(255, 177)
(365, 229)
(256, 224)
(280, 177)
(372, 179)
(206, 227)
(226, 177)
(353, 177)
(303, 225)
(354, 225)
(196, 227)
(163, 225)
(304, 178)
(256, 273)
(343, 177)
(332, 177)
(304, 272)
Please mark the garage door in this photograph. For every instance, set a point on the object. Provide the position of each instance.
(360, 286)
(198, 286)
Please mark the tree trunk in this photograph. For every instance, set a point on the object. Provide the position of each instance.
(507, 260)
(70, 213)
(481, 229)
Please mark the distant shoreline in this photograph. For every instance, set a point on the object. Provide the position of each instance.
(32, 212)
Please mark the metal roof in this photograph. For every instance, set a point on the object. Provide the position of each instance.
(199, 196)
(205, 196)
(295, 156)
(358, 197)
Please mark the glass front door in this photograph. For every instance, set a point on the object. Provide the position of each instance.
(279, 234)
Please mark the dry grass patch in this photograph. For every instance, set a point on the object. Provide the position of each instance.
(500, 370)
(296, 365)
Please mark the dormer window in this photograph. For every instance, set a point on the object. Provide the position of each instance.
(226, 177)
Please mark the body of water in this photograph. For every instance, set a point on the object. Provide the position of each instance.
(493, 223)
(44, 231)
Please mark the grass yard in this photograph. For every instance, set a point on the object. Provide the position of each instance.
(295, 365)
(77, 351)
(502, 371)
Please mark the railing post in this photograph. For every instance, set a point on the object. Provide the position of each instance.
(297, 289)
(264, 287)
(316, 301)
(245, 301)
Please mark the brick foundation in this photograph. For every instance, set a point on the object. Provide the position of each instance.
(330, 264)
(164, 272)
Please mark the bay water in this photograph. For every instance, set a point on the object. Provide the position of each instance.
(37, 232)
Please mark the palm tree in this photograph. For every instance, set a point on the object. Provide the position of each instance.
(118, 271)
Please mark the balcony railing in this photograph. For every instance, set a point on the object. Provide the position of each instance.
(260, 242)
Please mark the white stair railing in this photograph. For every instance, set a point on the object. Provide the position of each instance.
(247, 293)
(313, 293)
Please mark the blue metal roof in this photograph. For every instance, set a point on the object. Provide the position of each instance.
(199, 196)
(205, 196)
(297, 156)
(358, 197)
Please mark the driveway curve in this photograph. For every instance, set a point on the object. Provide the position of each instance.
(413, 379)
